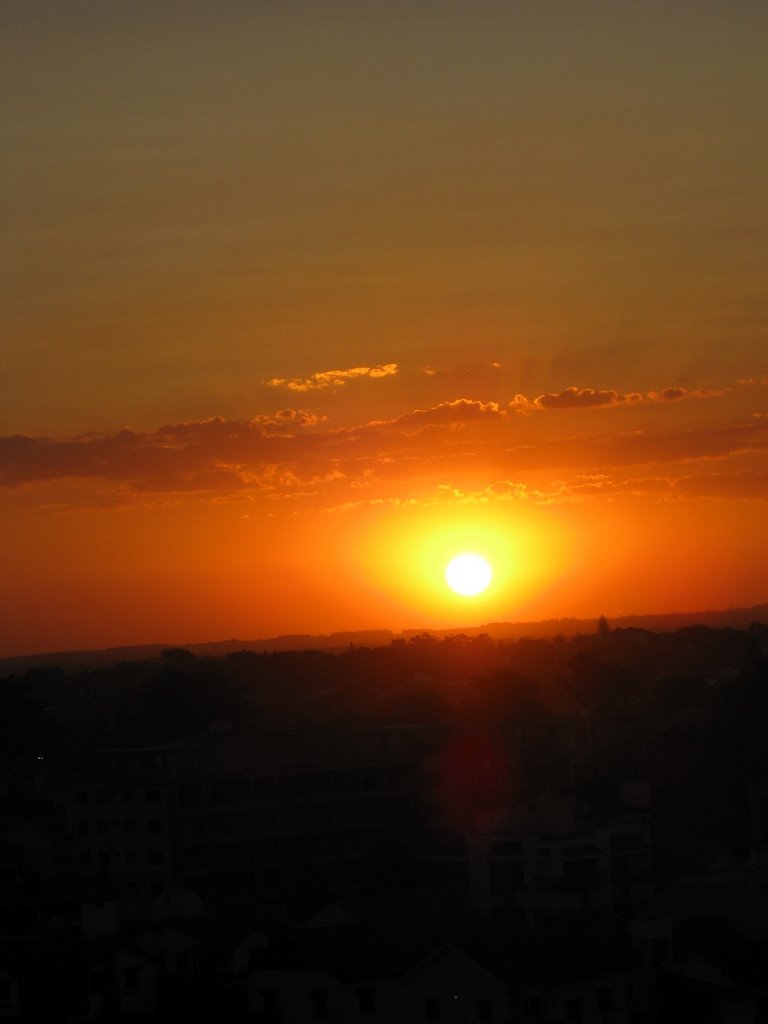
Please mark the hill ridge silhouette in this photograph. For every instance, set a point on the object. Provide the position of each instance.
(735, 618)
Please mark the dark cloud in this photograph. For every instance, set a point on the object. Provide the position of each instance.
(459, 411)
(750, 485)
(288, 419)
(291, 450)
(672, 394)
(637, 448)
(213, 481)
(574, 398)
(584, 398)
(677, 394)
(175, 453)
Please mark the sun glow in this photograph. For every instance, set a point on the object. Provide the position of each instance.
(406, 556)
(468, 574)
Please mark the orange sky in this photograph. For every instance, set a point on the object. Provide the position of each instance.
(299, 300)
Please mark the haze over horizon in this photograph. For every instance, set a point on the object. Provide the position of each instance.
(299, 301)
(509, 631)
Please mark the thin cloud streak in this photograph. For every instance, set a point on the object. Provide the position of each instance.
(333, 378)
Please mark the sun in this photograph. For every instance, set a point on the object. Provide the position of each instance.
(468, 574)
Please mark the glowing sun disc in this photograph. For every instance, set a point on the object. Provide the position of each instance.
(468, 574)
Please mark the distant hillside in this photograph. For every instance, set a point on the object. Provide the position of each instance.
(75, 660)
(733, 618)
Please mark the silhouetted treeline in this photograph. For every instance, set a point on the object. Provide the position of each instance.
(614, 672)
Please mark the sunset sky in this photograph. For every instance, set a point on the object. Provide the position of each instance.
(300, 299)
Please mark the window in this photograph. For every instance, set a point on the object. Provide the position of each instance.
(156, 857)
(152, 796)
(432, 1009)
(155, 826)
(573, 1011)
(269, 999)
(190, 795)
(101, 796)
(605, 998)
(581, 871)
(102, 827)
(129, 825)
(533, 1010)
(621, 842)
(5, 994)
(366, 1001)
(132, 978)
(84, 827)
(506, 877)
(131, 857)
(505, 848)
(193, 858)
(85, 856)
(81, 796)
(319, 1003)
(659, 950)
(183, 960)
(484, 1010)
(127, 795)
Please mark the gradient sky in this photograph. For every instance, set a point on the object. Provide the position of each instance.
(301, 298)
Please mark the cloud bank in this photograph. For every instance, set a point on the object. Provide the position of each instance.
(296, 451)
